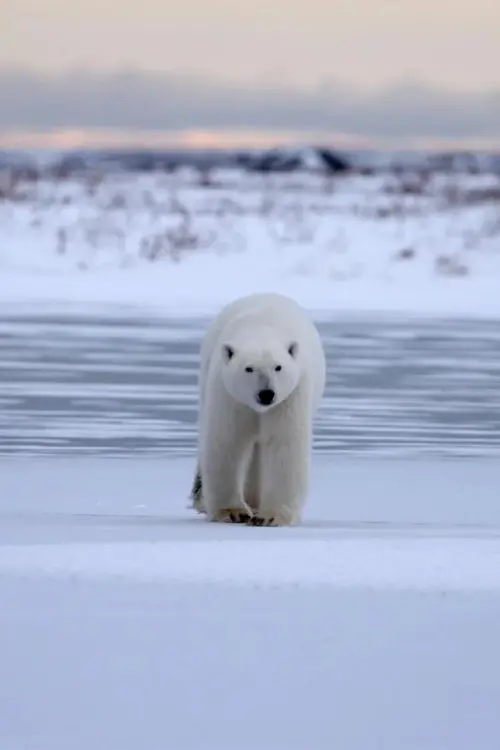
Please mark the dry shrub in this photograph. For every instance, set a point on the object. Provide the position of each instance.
(205, 177)
(295, 227)
(93, 181)
(409, 184)
(451, 265)
(393, 211)
(479, 196)
(407, 253)
(13, 187)
(62, 241)
(228, 207)
(117, 202)
(461, 196)
(175, 242)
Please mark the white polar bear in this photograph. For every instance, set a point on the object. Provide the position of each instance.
(262, 376)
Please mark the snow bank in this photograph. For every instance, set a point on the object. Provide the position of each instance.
(186, 244)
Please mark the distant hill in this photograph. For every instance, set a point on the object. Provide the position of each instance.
(312, 158)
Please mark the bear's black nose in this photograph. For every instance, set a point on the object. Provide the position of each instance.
(266, 397)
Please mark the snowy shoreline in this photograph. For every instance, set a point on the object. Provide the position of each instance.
(143, 293)
(173, 245)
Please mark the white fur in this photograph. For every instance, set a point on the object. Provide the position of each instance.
(254, 458)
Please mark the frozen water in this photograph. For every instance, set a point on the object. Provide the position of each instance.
(93, 384)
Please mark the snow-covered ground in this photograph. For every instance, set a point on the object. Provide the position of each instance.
(126, 622)
(187, 242)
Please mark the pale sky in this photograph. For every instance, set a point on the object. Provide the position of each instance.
(375, 68)
(367, 42)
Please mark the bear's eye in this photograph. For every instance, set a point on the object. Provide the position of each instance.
(248, 369)
(277, 368)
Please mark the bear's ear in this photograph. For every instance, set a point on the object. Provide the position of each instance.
(292, 349)
(228, 351)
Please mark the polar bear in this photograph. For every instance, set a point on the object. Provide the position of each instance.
(262, 376)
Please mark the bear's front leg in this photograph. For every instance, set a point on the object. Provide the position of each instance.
(228, 441)
(285, 465)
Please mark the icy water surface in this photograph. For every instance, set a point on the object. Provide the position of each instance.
(124, 385)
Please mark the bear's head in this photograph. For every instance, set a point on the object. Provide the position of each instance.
(260, 376)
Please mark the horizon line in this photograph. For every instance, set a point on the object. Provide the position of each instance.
(200, 139)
